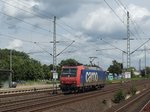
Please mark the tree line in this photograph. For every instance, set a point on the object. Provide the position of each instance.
(26, 68)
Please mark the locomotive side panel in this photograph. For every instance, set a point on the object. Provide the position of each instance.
(92, 77)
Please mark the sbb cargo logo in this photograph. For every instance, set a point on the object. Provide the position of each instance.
(91, 76)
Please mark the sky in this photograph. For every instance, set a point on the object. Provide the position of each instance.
(98, 27)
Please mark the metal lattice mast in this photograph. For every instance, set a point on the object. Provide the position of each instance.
(128, 41)
(10, 77)
(54, 45)
(145, 59)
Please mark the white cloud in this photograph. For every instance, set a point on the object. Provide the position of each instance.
(86, 18)
(101, 20)
(15, 44)
(16, 8)
(138, 12)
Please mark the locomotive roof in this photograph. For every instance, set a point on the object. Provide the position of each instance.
(86, 67)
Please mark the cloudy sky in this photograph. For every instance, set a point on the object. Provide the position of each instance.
(94, 25)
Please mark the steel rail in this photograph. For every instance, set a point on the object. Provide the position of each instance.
(132, 101)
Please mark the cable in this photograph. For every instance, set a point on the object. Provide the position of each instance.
(65, 49)
(30, 24)
(21, 9)
(52, 15)
(116, 15)
(134, 22)
(65, 29)
(67, 25)
(25, 21)
(36, 52)
(43, 49)
(140, 46)
(106, 49)
(113, 11)
(13, 37)
(10, 36)
(41, 33)
(59, 24)
(40, 14)
(125, 11)
(114, 46)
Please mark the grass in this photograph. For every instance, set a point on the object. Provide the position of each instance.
(35, 82)
(123, 80)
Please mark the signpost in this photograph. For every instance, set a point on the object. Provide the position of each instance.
(55, 77)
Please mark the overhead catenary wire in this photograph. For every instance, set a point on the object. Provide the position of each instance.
(65, 29)
(136, 26)
(28, 22)
(23, 9)
(24, 21)
(117, 16)
(140, 46)
(129, 30)
(43, 15)
(113, 11)
(43, 49)
(125, 11)
(61, 21)
(25, 4)
(113, 46)
(52, 18)
(14, 37)
(65, 49)
(41, 33)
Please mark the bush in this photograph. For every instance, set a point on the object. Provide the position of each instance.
(133, 90)
(119, 96)
(108, 82)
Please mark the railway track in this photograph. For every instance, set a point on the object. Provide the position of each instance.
(34, 96)
(39, 101)
(22, 97)
(134, 104)
(23, 90)
(146, 107)
(41, 104)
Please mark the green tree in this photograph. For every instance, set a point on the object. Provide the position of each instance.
(47, 71)
(69, 62)
(24, 67)
(147, 72)
(115, 67)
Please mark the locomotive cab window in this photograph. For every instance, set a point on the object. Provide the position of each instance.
(69, 72)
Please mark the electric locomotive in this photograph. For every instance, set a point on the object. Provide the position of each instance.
(80, 78)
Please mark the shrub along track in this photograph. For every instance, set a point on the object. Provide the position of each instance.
(134, 104)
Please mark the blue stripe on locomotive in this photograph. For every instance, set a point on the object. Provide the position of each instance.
(88, 76)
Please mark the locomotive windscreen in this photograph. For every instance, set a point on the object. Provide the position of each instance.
(71, 72)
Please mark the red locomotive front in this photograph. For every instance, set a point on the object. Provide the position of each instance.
(70, 77)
